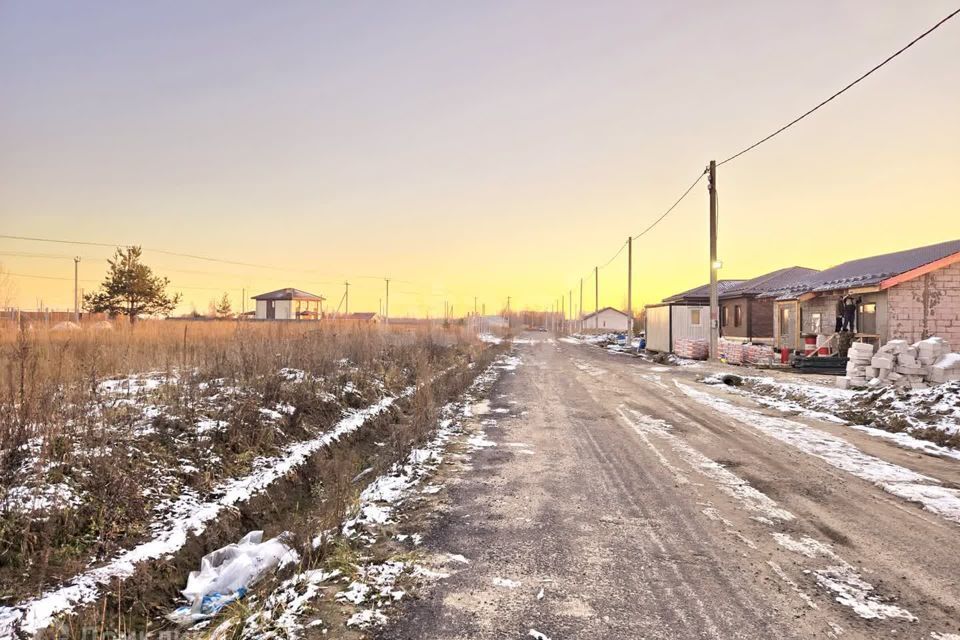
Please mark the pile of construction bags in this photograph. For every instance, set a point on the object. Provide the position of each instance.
(693, 348)
(900, 364)
(733, 352)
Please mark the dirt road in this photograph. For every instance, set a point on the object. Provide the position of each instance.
(626, 500)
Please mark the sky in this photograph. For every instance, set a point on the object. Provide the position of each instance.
(466, 150)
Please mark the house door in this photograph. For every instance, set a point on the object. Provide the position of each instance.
(786, 327)
(271, 310)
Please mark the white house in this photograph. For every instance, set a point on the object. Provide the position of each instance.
(288, 304)
(606, 319)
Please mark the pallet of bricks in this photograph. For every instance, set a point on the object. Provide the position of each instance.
(693, 348)
(900, 364)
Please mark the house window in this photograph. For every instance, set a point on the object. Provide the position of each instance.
(695, 317)
(816, 323)
(867, 323)
(737, 315)
(724, 316)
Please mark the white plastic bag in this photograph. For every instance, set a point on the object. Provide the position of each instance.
(227, 573)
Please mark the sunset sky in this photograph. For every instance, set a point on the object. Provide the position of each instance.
(485, 149)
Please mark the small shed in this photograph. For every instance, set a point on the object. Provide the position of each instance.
(606, 319)
(288, 304)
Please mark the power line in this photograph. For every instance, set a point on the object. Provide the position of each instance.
(838, 93)
(673, 206)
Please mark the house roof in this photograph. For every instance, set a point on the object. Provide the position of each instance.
(288, 294)
(774, 281)
(866, 272)
(703, 292)
(361, 315)
(590, 315)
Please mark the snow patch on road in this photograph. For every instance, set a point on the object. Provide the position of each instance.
(851, 590)
(726, 480)
(892, 478)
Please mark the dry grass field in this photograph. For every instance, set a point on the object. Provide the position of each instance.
(107, 434)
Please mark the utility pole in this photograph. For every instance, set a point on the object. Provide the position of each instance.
(563, 314)
(243, 303)
(629, 291)
(346, 298)
(714, 265)
(596, 297)
(386, 308)
(508, 312)
(76, 289)
(476, 320)
(570, 302)
(581, 305)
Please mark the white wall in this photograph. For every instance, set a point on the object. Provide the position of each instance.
(658, 329)
(607, 320)
(282, 310)
(683, 327)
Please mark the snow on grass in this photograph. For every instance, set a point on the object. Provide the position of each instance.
(892, 478)
(375, 585)
(536, 635)
(182, 517)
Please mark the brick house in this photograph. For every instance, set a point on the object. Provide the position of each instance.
(910, 295)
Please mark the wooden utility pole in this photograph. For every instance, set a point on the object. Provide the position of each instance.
(581, 305)
(76, 289)
(386, 306)
(629, 291)
(596, 297)
(570, 301)
(714, 265)
(346, 298)
(563, 313)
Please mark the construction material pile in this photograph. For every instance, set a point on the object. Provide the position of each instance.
(900, 364)
(693, 348)
(733, 352)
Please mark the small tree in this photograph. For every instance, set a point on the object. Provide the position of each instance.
(131, 289)
(223, 308)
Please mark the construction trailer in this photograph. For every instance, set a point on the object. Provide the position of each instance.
(683, 315)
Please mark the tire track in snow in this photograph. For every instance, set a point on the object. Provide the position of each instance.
(837, 452)
(839, 577)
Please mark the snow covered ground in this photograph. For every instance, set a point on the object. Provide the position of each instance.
(375, 585)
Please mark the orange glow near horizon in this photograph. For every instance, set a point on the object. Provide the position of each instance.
(467, 151)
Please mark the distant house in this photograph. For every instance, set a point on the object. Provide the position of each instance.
(911, 295)
(608, 319)
(747, 317)
(682, 315)
(288, 304)
(368, 317)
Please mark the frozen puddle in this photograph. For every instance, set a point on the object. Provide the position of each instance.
(892, 478)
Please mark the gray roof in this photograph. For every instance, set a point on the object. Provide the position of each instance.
(590, 315)
(871, 271)
(288, 294)
(773, 281)
(702, 292)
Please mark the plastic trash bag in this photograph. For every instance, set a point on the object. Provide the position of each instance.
(226, 574)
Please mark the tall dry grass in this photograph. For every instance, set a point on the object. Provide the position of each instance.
(53, 416)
